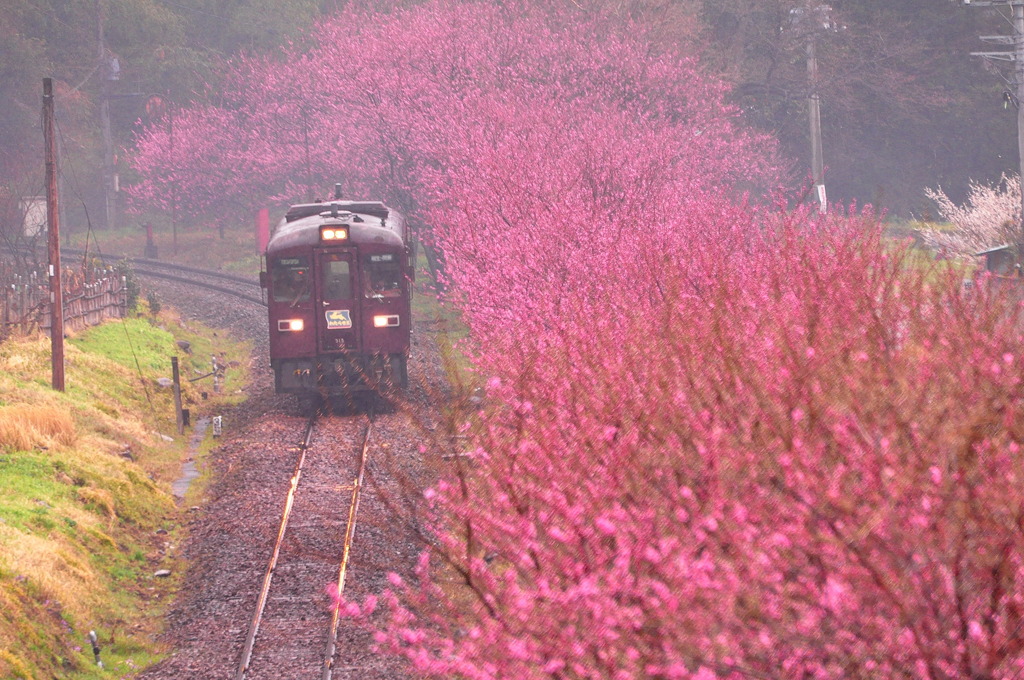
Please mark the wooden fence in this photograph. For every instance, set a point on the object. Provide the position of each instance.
(88, 301)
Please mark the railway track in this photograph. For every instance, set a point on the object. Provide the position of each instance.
(242, 287)
(229, 284)
(293, 629)
(245, 288)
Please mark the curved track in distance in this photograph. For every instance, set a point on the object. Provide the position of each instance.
(245, 288)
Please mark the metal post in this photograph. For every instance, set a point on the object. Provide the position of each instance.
(53, 240)
(179, 417)
(22, 291)
(94, 641)
(217, 377)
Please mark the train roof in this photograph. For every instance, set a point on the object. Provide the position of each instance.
(369, 222)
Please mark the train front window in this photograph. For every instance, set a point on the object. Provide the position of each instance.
(337, 279)
(289, 280)
(382, 276)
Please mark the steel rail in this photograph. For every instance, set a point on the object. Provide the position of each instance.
(350, 529)
(350, 532)
(261, 603)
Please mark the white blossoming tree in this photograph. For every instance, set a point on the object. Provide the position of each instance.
(988, 218)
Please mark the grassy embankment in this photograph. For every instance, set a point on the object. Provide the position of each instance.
(86, 511)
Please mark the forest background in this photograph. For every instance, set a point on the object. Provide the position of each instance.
(904, 105)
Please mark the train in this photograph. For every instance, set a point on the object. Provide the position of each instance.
(338, 277)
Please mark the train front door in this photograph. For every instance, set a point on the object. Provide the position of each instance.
(338, 311)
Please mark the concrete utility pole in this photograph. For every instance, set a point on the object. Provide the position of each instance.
(1016, 56)
(814, 115)
(109, 72)
(814, 19)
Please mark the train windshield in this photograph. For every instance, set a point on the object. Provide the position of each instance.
(382, 276)
(289, 279)
(337, 280)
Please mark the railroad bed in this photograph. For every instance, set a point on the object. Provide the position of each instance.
(259, 606)
(292, 632)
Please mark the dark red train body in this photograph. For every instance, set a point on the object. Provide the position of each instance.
(339, 283)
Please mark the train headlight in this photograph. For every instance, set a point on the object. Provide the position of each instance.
(385, 321)
(334, 233)
(290, 324)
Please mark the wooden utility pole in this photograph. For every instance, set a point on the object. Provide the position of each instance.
(53, 240)
(1017, 56)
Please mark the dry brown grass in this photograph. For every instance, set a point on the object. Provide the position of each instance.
(26, 427)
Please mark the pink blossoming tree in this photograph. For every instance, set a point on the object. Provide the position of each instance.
(803, 460)
(378, 99)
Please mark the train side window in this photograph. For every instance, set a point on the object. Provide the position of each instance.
(382, 276)
(337, 279)
(289, 279)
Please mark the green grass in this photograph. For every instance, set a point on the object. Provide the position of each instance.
(26, 478)
(133, 343)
